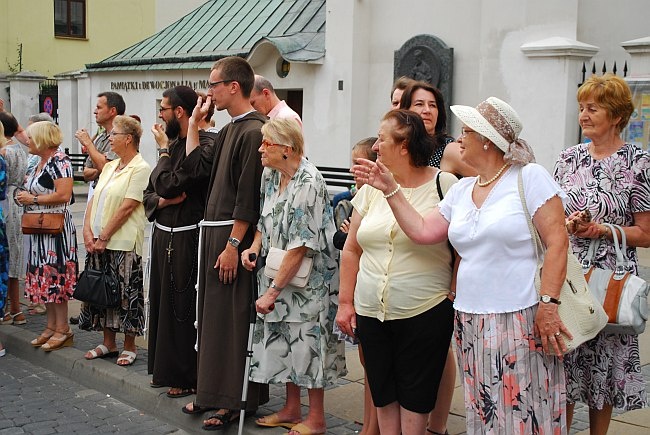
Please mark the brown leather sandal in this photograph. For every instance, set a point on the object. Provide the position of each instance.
(42, 339)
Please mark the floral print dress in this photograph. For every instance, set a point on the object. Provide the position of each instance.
(51, 259)
(606, 369)
(295, 343)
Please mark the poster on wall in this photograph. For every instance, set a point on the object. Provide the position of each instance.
(638, 129)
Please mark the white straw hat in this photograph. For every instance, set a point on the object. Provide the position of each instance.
(494, 119)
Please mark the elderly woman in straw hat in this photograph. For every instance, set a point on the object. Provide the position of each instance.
(504, 333)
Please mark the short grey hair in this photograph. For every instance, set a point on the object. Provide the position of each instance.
(43, 116)
(262, 83)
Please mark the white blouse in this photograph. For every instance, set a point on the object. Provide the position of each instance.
(496, 274)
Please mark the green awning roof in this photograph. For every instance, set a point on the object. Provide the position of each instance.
(220, 28)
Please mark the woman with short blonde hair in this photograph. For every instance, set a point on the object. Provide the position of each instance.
(51, 258)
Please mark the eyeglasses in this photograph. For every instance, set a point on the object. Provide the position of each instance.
(162, 109)
(214, 84)
(114, 133)
(464, 133)
(268, 144)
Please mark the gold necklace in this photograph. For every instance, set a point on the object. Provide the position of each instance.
(493, 179)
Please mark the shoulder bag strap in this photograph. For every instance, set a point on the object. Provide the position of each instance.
(621, 257)
(537, 243)
(454, 264)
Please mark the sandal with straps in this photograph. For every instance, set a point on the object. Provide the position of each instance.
(226, 420)
(437, 433)
(57, 343)
(14, 319)
(43, 338)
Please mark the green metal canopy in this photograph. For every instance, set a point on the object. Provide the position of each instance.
(220, 28)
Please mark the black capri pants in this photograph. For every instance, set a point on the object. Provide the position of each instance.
(405, 358)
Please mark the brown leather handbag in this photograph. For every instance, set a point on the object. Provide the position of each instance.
(42, 223)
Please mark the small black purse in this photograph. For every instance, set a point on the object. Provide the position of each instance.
(98, 287)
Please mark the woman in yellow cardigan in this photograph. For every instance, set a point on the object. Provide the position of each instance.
(114, 233)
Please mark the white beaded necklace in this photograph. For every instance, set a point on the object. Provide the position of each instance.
(493, 179)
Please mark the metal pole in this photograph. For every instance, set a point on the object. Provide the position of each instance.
(249, 347)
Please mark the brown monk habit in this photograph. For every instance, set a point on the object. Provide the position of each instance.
(173, 259)
(233, 193)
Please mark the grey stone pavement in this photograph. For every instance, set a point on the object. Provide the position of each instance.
(38, 401)
(69, 388)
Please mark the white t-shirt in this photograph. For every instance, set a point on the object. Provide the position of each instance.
(496, 274)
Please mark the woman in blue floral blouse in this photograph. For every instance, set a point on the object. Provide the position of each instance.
(293, 342)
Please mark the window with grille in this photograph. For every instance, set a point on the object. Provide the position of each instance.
(70, 18)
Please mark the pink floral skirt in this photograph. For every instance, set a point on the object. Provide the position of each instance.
(510, 385)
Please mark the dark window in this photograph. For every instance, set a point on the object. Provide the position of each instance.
(70, 18)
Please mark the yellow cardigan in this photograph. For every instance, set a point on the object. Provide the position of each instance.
(130, 183)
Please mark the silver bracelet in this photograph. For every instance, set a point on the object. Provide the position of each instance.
(388, 195)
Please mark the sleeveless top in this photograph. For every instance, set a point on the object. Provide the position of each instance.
(436, 157)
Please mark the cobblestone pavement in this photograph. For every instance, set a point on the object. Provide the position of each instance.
(37, 401)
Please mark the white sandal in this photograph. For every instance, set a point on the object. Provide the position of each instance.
(101, 351)
(127, 356)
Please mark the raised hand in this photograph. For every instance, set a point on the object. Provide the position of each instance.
(375, 174)
(160, 136)
(201, 109)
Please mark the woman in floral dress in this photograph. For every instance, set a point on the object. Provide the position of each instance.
(610, 179)
(51, 259)
(293, 342)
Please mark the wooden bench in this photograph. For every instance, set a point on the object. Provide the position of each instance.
(77, 161)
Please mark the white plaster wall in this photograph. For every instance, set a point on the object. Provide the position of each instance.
(606, 24)
(486, 37)
(24, 99)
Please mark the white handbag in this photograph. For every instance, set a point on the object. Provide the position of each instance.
(624, 296)
(274, 260)
(579, 309)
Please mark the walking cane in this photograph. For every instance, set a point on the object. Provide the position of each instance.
(249, 349)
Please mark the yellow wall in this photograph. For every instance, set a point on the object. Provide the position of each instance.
(111, 25)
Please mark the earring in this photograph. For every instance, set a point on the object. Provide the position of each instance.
(486, 147)
(284, 156)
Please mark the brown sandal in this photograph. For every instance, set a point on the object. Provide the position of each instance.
(42, 339)
(57, 343)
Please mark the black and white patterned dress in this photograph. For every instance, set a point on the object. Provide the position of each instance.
(51, 259)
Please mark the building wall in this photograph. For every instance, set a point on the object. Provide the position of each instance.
(486, 36)
(111, 25)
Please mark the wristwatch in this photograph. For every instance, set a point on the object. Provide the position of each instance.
(274, 286)
(547, 299)
(35, 200)
(234, 242)
(163, 151)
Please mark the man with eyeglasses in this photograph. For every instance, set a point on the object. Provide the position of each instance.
(231, 215)
(175, 201)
